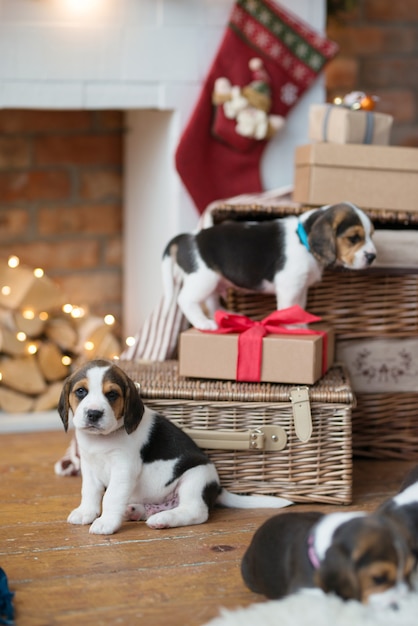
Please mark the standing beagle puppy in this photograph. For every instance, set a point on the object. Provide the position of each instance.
(282, 256)
(356, 556)
(136, 464)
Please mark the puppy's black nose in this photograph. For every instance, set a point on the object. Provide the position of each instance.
(94, 415)
(370, 257)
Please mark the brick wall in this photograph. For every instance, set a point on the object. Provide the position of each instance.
(61, 200)
(379, 54)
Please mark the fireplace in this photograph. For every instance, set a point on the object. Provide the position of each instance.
(146, 59)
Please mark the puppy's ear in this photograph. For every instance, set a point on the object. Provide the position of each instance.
(336, 574)
(322, 239)
(410, 478)
(134, 407)
(64, 402)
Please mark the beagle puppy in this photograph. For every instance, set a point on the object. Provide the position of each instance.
(354, 555)
(136, 464)
(282, 256)
(403, 507)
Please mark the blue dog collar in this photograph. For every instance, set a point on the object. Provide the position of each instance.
(303, 236)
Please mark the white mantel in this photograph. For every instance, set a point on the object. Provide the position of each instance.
(149, 58)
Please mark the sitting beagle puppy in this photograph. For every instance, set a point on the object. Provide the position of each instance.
(354, 555)
(282, 256)
(136, 464)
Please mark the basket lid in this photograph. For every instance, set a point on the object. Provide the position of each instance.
(161, 380)
(270, 210)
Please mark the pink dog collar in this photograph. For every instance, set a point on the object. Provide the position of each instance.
(313, 557)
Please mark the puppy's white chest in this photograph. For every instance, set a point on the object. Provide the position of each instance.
(314, 271)
(105, 458)
(101, 466)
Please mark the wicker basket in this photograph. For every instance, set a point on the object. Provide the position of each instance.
(368, 305)
(358, 304)
(268, 209)
(385, 425)
(319, 470)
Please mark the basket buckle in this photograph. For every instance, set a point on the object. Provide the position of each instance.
(268, 438)
(302, 419)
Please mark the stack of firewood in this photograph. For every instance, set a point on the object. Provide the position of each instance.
(42, 337)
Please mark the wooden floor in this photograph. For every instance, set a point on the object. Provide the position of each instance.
(176, 577)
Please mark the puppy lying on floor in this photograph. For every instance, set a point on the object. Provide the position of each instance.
(282, 256)
(403, 507)
(369, 558)
(356, 556)
(145, 466)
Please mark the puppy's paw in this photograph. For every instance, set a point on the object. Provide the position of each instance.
(206, 324)
(82, 516)
(135, 512)
(160, 520)
(105, 525)
(179, 516)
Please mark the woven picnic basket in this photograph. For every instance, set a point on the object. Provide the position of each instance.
(317, 470)
(377, 303)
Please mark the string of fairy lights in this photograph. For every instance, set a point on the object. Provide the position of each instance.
(74, 312)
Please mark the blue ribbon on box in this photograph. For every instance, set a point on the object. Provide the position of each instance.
(368, 133)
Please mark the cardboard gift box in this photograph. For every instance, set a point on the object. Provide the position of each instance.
(374, 177)
(338, 124)
(285, 358)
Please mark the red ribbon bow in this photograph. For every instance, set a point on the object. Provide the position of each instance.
(251, 333)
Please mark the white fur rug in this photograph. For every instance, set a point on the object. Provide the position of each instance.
(312, 609)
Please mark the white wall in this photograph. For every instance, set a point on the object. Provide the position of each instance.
(112, 54)
(148, 57)
(172, 211)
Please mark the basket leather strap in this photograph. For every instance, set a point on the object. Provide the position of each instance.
(302, 418)
(268, 438)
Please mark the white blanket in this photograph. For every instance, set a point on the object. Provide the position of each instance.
(308, 608)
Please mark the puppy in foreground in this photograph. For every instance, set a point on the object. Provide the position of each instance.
(136, 464)
(361, 557)
(282, 256)
(403, 507)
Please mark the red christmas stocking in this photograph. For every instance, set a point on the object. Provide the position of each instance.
(267, 59)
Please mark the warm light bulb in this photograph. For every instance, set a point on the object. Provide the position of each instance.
(67, 308)
(109, 320)
(28, 314)
(77, 312)
(66, 360)
(6, 290)
(13, 261)
(38, 272)
(43, 316)
(32, 348)
(89, 345)
(21, 336)
(81, 6)
(130, 341)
